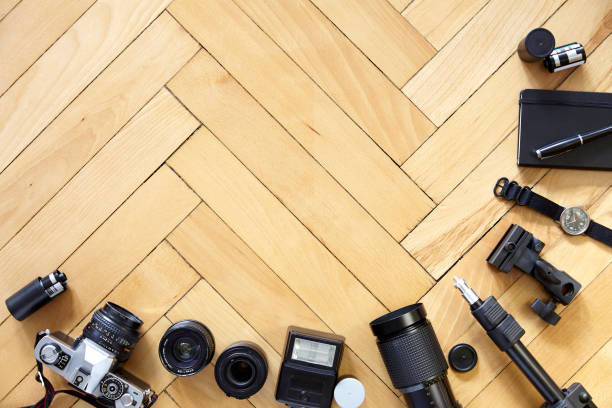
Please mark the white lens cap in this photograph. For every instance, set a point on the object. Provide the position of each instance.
(349, 393)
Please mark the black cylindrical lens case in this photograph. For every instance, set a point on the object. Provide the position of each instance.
(36, 294)
(241, 370)
(536, 45)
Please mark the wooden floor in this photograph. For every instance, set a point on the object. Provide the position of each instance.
(255, 164)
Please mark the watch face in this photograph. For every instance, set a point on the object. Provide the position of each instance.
(574, 220)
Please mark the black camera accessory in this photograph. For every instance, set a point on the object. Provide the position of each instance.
(565, 56)
(506, 333)
(36, 294)
(115, 329)
(241, 370)
(413, 357)
(309, 370)
(186, 348)
(349, 393)
(462, 357)
(521, 249)
(537, 45)
(573, 220)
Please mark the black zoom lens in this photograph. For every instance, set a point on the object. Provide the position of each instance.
(115, 329)
(413, 357)
(241, 370)
(186, 348)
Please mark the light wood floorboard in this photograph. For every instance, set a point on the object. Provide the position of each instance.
(257, 164)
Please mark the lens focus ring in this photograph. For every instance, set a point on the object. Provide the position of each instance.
(115, 329)
(413, 356)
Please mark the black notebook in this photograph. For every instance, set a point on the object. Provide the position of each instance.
(546, 116)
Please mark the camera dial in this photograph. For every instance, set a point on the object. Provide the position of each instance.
(50, 354)
(111, 388)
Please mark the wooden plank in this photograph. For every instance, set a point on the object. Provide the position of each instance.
(67, 67)
(394, 45)
(587, 319)
(590, 375)
(6, 6)
(474, 54)
(129, 235)
(223, 260)
(446, 232)
(90, 121)
(562, 253)
(297, 180)
(200, 391)
(281, 241)
(164, 401)
(305, 111)
(399, 5)
(440, 20)
(204, 304)
(95, 192)
(330, 59)
(30, 29)
(451, 153)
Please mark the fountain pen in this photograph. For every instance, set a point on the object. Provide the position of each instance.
(567, 144)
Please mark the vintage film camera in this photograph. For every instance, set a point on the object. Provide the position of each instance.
(91, 362)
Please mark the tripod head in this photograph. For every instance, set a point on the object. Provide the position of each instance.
(520, 248)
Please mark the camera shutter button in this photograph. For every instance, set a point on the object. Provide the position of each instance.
(127, 400)
(50, 354)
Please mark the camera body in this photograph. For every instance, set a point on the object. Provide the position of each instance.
(92, 369)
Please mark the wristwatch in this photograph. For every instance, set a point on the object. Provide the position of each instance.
(573, 220)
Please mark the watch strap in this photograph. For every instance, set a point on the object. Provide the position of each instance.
(512, 191)
(600, 233)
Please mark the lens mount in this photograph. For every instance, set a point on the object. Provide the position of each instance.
(241, 370)
(115, 329)
(186, 348)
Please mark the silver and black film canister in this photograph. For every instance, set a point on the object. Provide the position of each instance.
(36, 294)
(566, 56)
(536, 45)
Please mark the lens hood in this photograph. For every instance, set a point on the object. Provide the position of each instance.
(398, 320)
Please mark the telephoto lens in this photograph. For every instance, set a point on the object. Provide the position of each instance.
(115, 329)
(413, 357)
(241, 370)
(186, 348)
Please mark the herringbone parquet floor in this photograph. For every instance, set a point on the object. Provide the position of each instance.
(255, 164)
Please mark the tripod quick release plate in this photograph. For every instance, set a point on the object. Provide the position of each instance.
(521, 249)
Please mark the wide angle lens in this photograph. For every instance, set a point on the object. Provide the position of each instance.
(414, 358)
(186, 348)
(115, 329)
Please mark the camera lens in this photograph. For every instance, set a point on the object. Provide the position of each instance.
(186, 348)
(115, 329)
(241, 370)
(413, 357)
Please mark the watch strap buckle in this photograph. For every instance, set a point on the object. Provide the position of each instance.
(512, 191)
